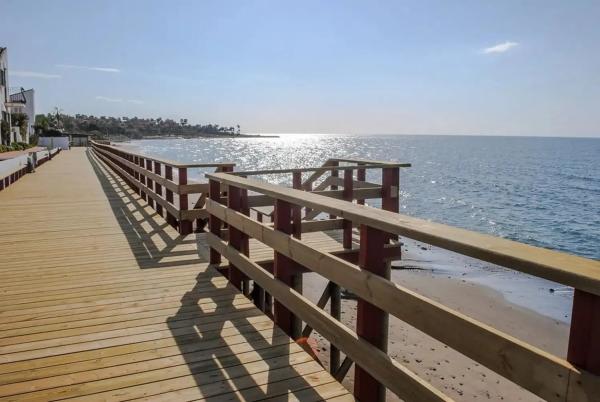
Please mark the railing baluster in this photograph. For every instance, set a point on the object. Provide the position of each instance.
(142, 180)
(185, 226)
(237, 239)
(214, 223)
(158, 187)
(171, 220)
(284, 270)
(149, 183)
(334, 173)
(584, 337)
(371, 321)
(361, 175)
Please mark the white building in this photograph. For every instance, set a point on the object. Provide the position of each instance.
(4, 112)
(23, 102)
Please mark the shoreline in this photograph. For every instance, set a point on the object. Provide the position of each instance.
(440, 365)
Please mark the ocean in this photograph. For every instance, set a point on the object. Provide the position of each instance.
(540, 191)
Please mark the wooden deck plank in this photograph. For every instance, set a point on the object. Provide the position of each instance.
(101, 299)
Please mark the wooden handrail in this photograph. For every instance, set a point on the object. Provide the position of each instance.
(570, 270)
(575, 379)
(500, 352)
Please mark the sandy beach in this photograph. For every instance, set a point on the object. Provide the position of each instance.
(456, 375)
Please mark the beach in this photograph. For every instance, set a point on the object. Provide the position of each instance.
(456, 375)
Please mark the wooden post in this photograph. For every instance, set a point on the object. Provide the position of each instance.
(348, 192)
(371, 322)
(185, 227)
(142, 180)
(296, 209)
(149, 182)
(214, 223)
(390, 197)
(584, 337)
(136, 174)
(284, 271)
(171, 220)
(361, 175)
(237, 239)
(334, 173)
(158, 187)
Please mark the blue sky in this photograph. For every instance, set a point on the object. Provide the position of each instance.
(406, 67)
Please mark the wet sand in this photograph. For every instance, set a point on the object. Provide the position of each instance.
(454, 374)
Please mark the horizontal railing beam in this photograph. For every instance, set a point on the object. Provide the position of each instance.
(502, 353)
(393, 375)
(578, 272)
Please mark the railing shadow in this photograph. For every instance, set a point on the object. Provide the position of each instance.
(146, 232)
(249, 359)
(233, 351)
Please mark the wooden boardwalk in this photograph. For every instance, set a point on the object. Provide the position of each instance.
(100, 299)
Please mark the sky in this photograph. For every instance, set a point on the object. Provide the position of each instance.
(526, 67)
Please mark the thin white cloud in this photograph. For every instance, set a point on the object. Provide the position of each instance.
(33, 74)
(500, 47)
(107, 99)
(102, 69)
(136, 101)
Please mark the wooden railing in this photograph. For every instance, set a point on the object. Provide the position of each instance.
(576, 378)
(163, 184)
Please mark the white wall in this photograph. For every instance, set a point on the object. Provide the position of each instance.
(54, 142)
(10, 166)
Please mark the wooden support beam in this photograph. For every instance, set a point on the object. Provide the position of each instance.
(348, 192)
(214, 223)
(371, 321)
(149, 182)
(169, 195)
(237, 239)
(284, 270)
(343, 370)
(325, 296)
(185, 226)
(361, 175)
(158, 187)
(584, 338)
(390, 195)
(334, 173)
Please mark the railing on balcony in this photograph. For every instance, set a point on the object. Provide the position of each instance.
(576, 378)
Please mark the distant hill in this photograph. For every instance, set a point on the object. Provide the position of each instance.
(130, 127)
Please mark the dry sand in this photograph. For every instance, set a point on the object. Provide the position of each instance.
(456, 375)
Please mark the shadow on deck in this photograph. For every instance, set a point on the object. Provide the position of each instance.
(232, 350)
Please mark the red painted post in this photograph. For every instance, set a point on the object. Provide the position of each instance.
(136, 174)
(185, 227)
(296, 209)
(149, 182)
(142, 180)
(158, 187)
(169, 195)
(361, 175)
(237, 239)
(214, 223)
(348, 196)
(284, 269)
(390, 197)
(371, 322)
(584, 337)
(334, 173)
